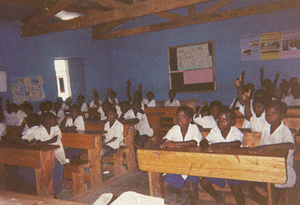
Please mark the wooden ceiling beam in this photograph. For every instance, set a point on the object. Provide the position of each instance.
(110, 3)
(47, 13)
(215, 7)
(191, 10)
(39, 4)
(107, 27)
(253, 10)
(131, 11)
(169, 15)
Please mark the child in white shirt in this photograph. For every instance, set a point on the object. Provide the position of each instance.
(182, 134)
(114, 136)
(83, 106)
(172, 101)
(96, 102)
(224, 136)
(149, 101)
(74, 121)
(58, 112)
(210, 120)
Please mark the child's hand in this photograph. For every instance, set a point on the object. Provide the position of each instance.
(215, 147)
(238, 82)
(7, 101)
(94, 90)
(277, 75)
(243, 74)
(140, 86)
(256, 150)
(202, 104)
(128, 82)
(262, 70)
(246, 95)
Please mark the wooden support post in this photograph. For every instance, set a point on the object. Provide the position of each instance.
(155, 183)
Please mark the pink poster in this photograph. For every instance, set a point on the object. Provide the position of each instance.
(290, 44)
(198, 76)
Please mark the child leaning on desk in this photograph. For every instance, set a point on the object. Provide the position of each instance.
(224, 136)
(274, 136)
(182, 134)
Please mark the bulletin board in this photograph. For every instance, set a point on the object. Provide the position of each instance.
(192, 67)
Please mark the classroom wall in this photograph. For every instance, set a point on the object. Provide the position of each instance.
(144, 57)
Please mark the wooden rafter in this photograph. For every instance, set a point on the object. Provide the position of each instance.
(265, 8)
(112, 4)
(131, 11)
(108, 27)
(39, 4)
(215, 7)
(191, 10)
(47, 13)
(171, 16)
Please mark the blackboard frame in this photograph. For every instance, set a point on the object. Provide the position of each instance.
(176, 79)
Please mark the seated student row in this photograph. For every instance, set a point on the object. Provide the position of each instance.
(275, 135)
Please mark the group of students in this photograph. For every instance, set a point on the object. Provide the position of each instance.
(263, 114)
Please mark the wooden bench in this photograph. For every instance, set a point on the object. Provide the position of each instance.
(91, 141)
(41, 159)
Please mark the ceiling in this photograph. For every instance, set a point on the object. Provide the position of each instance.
(38, 17)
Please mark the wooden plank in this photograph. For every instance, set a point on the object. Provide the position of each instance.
(231, 164)
(191, 10)
(131, 11)
(107, 27)
(215, 7)
(112, 4)
(293, 111)
(155, 184)
(265, 8)
(171, 16)
(39, 4)
(75, 140)
(47, 13)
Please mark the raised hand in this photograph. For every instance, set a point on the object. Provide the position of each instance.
(128, 82)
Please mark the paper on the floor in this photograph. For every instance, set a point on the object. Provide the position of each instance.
(103, 199)
(133, 198)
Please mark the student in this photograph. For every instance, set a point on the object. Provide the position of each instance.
(10, 114)
(49, 132)
(42, 108)
(83, 106)
(74, 121)
(58, 112)
(25, 110)
(143, 129)
(67, 104)
(103, 109)
(172, 101)
(266, 84)
(149, 102)
(111, 97)
(257, 120)
(48, 106)
(222, 137)
(275, 136)
(33, 121)
(60, 100)
(114, 136)
(96, 102)
(210, 120)
(182, 134)
(125, 106)
(137, 95)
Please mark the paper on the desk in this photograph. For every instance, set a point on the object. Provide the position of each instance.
(133, 198)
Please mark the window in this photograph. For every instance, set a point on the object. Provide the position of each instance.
(63, 78)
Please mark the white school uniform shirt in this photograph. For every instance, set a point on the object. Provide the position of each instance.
(143, 125)
(175, 135)
(257, 123)
(110, 100)
(60, 114)
(20, 116)
(2, 129)
(102, 114)
(41, 134)
(281, 135)
(119, 111)
(84, 108)
(215, 136)
(64, 107)
(116, 130)
(206, 121)
(78, 123)
(93, 104)
(289, 100)
(27, 132)
(242, 110)
(173, 104)
(11, 119)
(152, 103)
(237, 104)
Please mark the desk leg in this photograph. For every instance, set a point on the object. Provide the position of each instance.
(96, 176)
(43, 175)
(269, 193)
(155, 184)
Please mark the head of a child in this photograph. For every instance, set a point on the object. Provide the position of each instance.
(112, 114)
(184, 116)
(28, 109)
(136, 105)
(150, 95)
(48, 105)
(260, 93)
(80, 99)
(48, 120)
(57, 106)
(105, 105)
(259, 106)
(275, 112)
(33, 120)
(293, 81)
(295, 91)
(172, 95)
(12, 107)
(68, 101)
(59, 100)
(137, 95)
(266, 84)
(284, 87)
(74, 111)
(215, 107)
(125, 106)
(225, 119)
(205, 111)
(42, 107)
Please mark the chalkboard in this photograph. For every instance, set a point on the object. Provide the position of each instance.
(192, 67)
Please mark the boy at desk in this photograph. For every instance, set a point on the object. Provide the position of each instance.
(182, 134)
(274, 136)
(224, 136)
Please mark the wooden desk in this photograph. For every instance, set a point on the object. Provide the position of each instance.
(94, 125)
(230, 164)
(92, 142)
(42, 160)
(154, 121)
(12, 198)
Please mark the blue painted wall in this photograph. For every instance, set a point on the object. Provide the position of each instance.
(144, 57)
